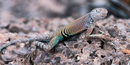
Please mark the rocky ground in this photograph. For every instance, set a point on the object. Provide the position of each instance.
(77, 50)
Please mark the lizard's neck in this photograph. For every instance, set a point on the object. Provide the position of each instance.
(93, 18)
(89, 21)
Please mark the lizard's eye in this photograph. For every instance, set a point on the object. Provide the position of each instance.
(97, 11)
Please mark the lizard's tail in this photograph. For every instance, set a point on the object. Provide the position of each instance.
(46, 37)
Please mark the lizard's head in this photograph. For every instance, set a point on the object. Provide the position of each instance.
(98, 13)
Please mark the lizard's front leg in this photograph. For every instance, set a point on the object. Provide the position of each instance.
(49, 46)
(102, 36)
(89, 31)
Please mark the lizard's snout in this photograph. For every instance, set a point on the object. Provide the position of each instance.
(104, 15)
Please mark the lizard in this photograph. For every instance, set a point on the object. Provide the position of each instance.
(84, 23)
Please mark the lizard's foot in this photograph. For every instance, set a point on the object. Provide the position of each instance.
(42, 46)
(101, 36)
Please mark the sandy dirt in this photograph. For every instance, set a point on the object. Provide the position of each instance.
(77, 50)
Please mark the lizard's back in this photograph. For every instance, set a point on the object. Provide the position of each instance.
(72, 28)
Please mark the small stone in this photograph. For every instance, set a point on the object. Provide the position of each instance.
(128, 46)
(24, 20)
(22, 45)
(57, 59)
(44, 57)
(26, 29)
(77, 58)
(7, 58)
(128, 30)
(59, 49)
(67, 53)
(14, 28)
(3, 25)
(2, 62)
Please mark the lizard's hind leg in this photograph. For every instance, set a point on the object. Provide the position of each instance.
(49, 46)
(40, 45)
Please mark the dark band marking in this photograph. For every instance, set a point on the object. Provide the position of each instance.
(91, 19)
(65, 33)
(64, 36)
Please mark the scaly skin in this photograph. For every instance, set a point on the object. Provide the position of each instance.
(84, 23)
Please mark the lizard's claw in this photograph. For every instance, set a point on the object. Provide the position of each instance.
(1, 48)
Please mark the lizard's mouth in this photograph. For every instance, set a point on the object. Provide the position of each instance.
(104, 15)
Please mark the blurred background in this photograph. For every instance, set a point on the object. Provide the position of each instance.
(10, 9)
(37, 15)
